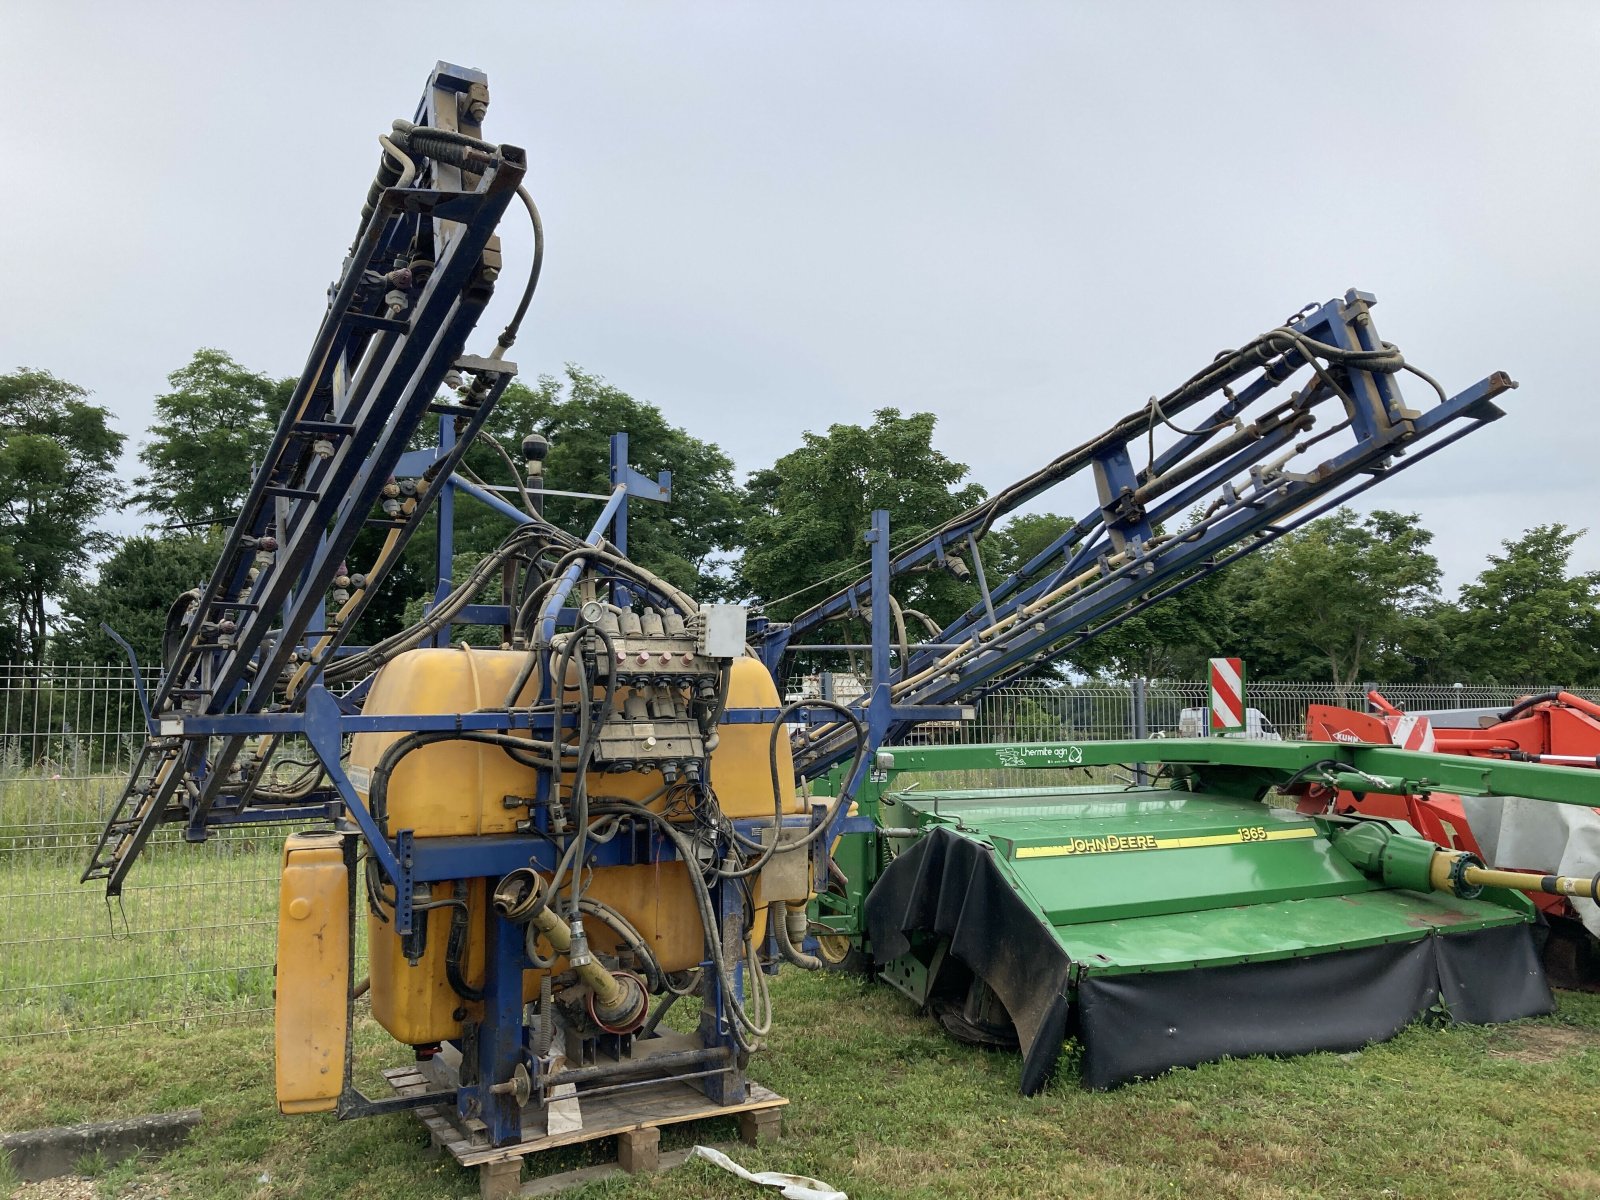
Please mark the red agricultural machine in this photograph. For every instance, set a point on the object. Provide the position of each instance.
(1557, 729)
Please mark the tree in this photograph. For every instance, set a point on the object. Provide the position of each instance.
(1172, 639)
(210, 432)
(135, 586)
(811, 508)
(1010, 547)
(686, 540)
(1342, 597)
(1526, 619)
(57, 455)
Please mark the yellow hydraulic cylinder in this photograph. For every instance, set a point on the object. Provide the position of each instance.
(313, 973)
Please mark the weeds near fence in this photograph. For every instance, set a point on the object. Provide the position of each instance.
(192, 936)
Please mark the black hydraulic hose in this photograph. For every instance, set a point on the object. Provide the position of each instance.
(509, 570)
(406, 131)
(376, 655)
(625, 929)
(1258, 352)
(625, 567)
(529, 605)
(522, 750)
(390, 172)
(446, 146)
(1323, 767)
(172, 630)
(588, 728)
(1527, 702)
(509, 334)
(374, 885)
(456, 946)
(664, 592)
(558, 685)
(710, 720)
(708, 916)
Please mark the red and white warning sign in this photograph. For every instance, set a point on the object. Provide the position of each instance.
(1410, 731)
(1227, 693)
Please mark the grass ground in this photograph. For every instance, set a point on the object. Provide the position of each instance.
(884, 1105)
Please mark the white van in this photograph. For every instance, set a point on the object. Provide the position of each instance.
(1192, 723)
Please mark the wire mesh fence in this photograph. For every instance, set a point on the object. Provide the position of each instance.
(192, 939)
(1099, 710)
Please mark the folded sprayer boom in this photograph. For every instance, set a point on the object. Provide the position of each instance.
(1266, 437)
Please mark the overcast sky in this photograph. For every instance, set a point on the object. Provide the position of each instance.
(767, 218)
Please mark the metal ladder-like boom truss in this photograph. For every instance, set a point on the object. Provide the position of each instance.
(258, 635)
(1227, 469)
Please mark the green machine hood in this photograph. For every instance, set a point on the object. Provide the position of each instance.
(1167, 926)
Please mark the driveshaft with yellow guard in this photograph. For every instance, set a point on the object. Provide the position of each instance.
(618, 998)
(1465, 875)
(1406, 861)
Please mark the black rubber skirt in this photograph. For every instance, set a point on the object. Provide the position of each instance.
(1138, 1024)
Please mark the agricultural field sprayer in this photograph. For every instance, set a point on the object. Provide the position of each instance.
(555, 839)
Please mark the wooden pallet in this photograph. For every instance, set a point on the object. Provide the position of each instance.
(635, 1118)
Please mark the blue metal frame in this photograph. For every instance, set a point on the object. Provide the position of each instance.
(1113, 550)
(371, 377)
(326, 721)
(369, 384)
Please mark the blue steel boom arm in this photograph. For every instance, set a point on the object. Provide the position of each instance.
(1243, 466)
(411, 289)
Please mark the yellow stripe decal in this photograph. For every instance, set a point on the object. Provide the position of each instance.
(1118, 843)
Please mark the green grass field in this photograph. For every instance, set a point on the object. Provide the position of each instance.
(884, 1105)
(168, 1014)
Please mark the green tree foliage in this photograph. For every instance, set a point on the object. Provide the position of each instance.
(1527, 618)
(1172, 639)
(135, 586)
(1010, 547)
(811, 508)
(210, 432)
(57, 453)
(685, 540)
(1344, 598)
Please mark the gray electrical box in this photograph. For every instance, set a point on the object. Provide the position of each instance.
(723, 632)
(787, 875)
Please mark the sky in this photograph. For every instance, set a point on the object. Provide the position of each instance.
(765, 218)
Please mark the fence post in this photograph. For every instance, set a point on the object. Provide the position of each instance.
(1141, 723)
